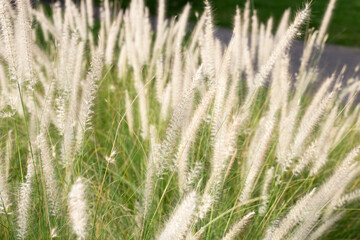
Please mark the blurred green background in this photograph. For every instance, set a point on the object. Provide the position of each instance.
(344, 27)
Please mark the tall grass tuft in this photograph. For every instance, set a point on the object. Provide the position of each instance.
(178, 135)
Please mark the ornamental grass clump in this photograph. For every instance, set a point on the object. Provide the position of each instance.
(113, 129)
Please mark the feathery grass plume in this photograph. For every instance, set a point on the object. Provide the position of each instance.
(282, 45)
(90, 13)
(177, 77)
(24, 201)
(193, 176)
(348, 198)
(219, 162)
(206, 202)
(291, 219)
(323, 228)
(190, 131)
(77, 20)
(236, 36)
(283, 25)
(325, 22)
(107, 15)
(46, 25)
(232, 99)
(307, 52)
(62, 80)
(180, 221)
(161, 33)
(77, 76)
(181, 26)
(8, 154)
(197, 35)
(129, 113)
(249, 68)
(230, 165)
(83, 18)
(48, 172)
(303, 231)
(68, 114)
(112, 38)
(319, 148)
(102, 31)
(254, 35)
(164, 112)
(77, 203)
(191, 68)
(265, 191)
(257, 154)
(314, 202)
(236, 229)
(261, 45)
(234, 46)
(7, 30)
(139, 31)
(5, 202)
(269, 39)
(265, 70)
(245, 30)
(308, 122)
(340, 192)
(150, 171)
(323, 143)
(284, 79)
(3, 81)
(177, 73)
(141, 91)
(168, 145)
(159, 80)
(218, 53)
(122, 62)
(57, 16)
(286, 128)
(221, 84)
(47, 163)
(24, 39)
(71, 59)
(136, 59)
(306, 158)
(345, 127)
(209, 44)
(88, 96)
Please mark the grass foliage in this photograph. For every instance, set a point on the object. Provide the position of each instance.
(111, 130)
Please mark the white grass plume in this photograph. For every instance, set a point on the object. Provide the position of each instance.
(129, 113)
(257, 154)
(88, 97)
(77, 202)
(8, 38)
(323, 228)
(265, 191)
(325, 22)
(236, 229)
(5, 202)
(283, 44)
(48, 173)
(180, 221)
(24, 202)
